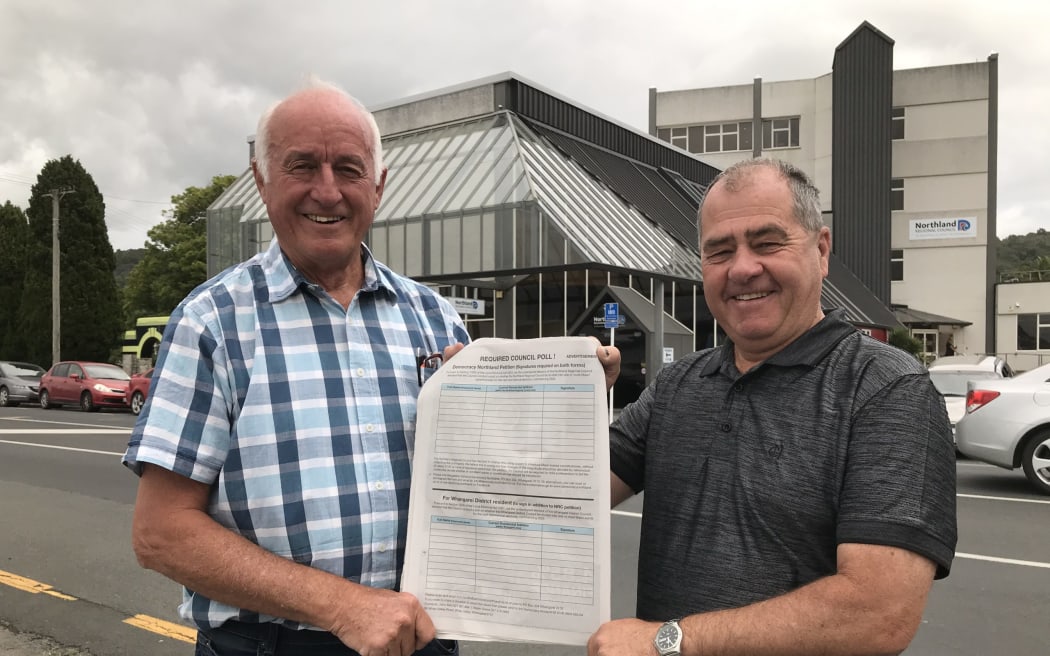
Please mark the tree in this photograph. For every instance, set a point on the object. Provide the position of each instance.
(126, 261)
(175, 258)
(14, 228)
(1019, 254)
(904, 340)
(91, 321)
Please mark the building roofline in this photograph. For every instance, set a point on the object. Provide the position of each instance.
(865, 27)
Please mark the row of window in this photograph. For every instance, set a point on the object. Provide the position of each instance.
(734, 136)
(738, 136)
(1033, 332)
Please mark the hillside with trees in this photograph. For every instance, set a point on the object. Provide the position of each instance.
(1025, 257)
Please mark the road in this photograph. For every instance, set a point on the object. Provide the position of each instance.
(67, 571)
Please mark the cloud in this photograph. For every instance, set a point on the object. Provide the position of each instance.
(155, 97)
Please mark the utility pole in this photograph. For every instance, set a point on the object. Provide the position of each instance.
(56, 297)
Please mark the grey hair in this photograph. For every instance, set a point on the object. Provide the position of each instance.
(262, 131)
(805, 196)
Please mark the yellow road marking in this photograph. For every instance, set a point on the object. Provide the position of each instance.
(167, 629)
(31, 586)
(152, 624)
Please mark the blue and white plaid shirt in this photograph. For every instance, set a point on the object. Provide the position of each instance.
(300, 414)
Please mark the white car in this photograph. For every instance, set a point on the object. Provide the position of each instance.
(951, 374)
(1007, 423)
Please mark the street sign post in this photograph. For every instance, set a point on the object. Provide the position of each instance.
(612, 319)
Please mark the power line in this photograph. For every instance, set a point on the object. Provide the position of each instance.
(133, 200)
(17, 179)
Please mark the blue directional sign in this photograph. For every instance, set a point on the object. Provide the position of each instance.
(612, 315)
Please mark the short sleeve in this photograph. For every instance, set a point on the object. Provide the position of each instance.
(899, 484)
(186, 425)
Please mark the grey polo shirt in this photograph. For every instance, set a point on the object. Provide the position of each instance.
(751, 481)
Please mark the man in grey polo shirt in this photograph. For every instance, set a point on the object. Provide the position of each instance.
(799, 479)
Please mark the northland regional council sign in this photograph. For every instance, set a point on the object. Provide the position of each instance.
(943, 228)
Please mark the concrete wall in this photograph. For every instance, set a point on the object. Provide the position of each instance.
(1013, 299)
(940, 84)
(943, 161)
(429, 112)
(810, 100)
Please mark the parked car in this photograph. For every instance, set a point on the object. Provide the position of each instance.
(138, 389)
(19, 382)
(950, 375)
(92, 385)
(1007, 423)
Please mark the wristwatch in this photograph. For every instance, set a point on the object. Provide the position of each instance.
(668, 640)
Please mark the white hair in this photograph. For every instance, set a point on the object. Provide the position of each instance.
(262, 132)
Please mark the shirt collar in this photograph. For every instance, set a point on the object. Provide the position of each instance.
(284, 279)
(808, 350)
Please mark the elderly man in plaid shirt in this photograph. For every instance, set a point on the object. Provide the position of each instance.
(275, 450)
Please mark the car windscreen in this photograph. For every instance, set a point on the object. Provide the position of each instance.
(21, 370)
(953, 383)
(108, 372)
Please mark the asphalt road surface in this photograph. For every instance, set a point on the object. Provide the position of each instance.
(70, 585)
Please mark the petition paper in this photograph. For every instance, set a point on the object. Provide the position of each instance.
(508, 535)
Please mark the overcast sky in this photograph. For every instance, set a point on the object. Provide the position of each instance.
(153, 97)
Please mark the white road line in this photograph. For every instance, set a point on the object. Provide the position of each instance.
(1017, 499)
(66, 431)
(62, 448)
(62, 423)
(1005, 561)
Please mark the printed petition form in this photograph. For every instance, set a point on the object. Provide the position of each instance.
(508, 535)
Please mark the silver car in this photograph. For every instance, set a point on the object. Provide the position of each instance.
(1007, 423)
(951, 374)
(19, 382)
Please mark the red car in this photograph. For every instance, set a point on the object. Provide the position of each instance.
(138, 389)
(92, 385)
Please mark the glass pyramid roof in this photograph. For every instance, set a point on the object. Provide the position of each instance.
(498, 161)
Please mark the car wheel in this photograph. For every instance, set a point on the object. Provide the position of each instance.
(1035, 460)
(87, 404)
(137, 400)
(5, 399)
(45, 400)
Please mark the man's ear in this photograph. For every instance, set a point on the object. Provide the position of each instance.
(260, 183)
(824, 248)
(380, 186)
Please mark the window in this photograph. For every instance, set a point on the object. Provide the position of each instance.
(721, 138)
(1033, 332)
(713, 138)
(896, 265)
(897, 126)
(780, 133)
(897, 194)
(929, 344)
(680, 137)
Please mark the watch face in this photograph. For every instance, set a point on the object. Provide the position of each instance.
(667, 636)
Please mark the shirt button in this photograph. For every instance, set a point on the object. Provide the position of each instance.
(726, 427)
(370, 428)
(360, 372)
(382, 548)
(379, 485)
(739, 387)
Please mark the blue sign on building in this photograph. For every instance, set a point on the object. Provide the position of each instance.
(612, 315)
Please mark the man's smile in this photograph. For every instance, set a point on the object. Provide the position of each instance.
(750, 297)
(317, 218)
